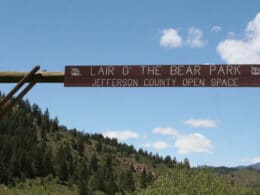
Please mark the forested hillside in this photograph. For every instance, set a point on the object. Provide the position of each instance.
(32, 145)
(40, 156)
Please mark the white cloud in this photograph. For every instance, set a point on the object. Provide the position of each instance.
(201, 123)
(121, 135)
(159, 145)
(246, 50)
(165, 131)
(186, 143)
(193, 143)
(194, 39)
(170, 38)
(216, 28)
(256, 160)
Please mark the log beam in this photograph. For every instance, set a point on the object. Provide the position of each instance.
(39, 77)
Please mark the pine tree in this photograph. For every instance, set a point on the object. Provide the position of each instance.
(130, 185)
(126, 181)
(93, 183)
(93, 164)
(174, 162)
(46, 120)
(83, 187)
(43, 132)
(186, 163)
(55, 124)
(14, 169)
(63, 171)
(149, 178)
(143, 182)
(62, 168)
(81, 146)
(168, 161)
(99, 146)
(110, 185)
(47, 164)
(83, 171)
(101, 176)
(3, 172)
(108, 163)
(38, 161)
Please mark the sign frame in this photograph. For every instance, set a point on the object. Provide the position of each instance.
(185, 75)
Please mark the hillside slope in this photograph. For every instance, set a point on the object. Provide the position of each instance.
(32, 145)
(39, 156)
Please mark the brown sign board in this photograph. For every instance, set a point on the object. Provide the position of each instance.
(246, 75)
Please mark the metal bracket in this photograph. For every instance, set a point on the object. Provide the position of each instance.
(4, 106)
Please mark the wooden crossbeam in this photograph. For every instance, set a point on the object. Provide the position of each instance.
(21, 78)
(40, 77)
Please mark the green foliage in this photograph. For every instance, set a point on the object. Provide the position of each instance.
(126, 181)
(39, 186)
(62, 168)
(143, 180)
(83, 187)
(193, 181)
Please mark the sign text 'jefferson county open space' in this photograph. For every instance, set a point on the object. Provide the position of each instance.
(163, 76)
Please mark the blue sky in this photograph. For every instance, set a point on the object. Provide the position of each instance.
(213, 126)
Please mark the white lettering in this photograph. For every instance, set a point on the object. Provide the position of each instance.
(185, 70)
(115, 83)
(125, 70)
(102, 71)
(193, 82)
(92, 72)
(151, 70)
(212, 69)
(159, 82)
(219, 82)
(227, 70)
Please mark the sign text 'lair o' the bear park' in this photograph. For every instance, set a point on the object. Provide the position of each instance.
(163, 76)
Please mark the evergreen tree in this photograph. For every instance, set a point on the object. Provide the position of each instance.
(26, 163)
(93, 163)
(55, 124)
(143, 182)
(3, 172)
(110, 185)
(101, 176)
(99, 146)
(81, 146)
(47, 163)
(174, 162)
(46, 120)
(186, 163)
(43, 132)
(63, 171)
(137, 157)
(126, 181)
(83, 170)
(130, 185)
(149, 178)
(93, 183)
(168, 161)
(38, 161)
(83, 187)
(14, 169)
(108, 163)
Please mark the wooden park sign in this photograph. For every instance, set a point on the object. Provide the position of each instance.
(246, 75)
(163, 76)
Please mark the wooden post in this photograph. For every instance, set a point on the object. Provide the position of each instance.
(21, 82)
